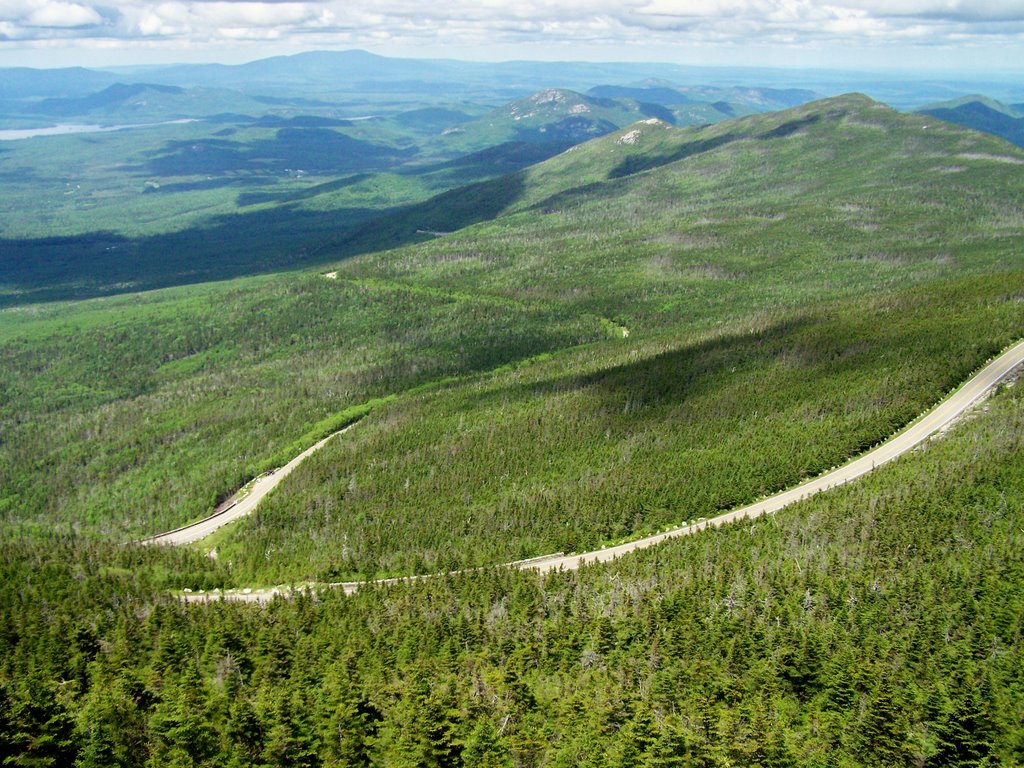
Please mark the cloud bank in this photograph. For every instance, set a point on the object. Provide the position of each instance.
(479, 24)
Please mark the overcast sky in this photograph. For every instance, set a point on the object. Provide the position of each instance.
(966, 35)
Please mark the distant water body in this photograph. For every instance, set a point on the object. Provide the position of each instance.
(66, 128)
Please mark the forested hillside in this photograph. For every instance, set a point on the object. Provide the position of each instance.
(655, 326)
(878, 624)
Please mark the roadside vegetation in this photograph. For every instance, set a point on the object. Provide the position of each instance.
(877, 624)
(617, 439)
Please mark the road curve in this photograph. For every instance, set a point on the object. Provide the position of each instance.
(941, 416)
(263, 485)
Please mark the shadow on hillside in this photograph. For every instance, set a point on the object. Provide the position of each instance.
(106, 263)
(647, 161)
(246, 199)
(788, 129)
(447, 212)
(643, 388)
(316, 150)
(508, 157)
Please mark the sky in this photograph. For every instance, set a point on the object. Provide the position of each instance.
(967, 36)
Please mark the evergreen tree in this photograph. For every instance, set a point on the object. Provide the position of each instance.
(183, 733)
(98, 751)
(289, 741)
(484, 747)
(8, 742)
(41, 730)
(673, 747)
(420, 728)
(769, 749)
(244, 732)
(965, 735)
(349, 720)
(883, 731)
(636, 739)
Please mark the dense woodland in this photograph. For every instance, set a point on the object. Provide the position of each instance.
(649, 328)
(636, 438)
(879, 624)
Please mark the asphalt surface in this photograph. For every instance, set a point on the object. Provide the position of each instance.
(935, 420)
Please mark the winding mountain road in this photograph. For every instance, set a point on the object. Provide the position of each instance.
(264, 484)
(940, 417)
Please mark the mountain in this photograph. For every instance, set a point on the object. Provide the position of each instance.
(555, 116)
(651, 144)
(71, 82)
(666, 231)
(728, 101)
(364, 78)
(982, 114)
(653, 328)
(147, 101)
(651, 94)
(116, 95)
(316, 69)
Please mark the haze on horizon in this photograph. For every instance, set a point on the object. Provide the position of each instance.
(982, 36)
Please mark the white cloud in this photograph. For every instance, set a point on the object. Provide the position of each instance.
(210, 21)
(31, 18)
(949, 10)
(58, 15)
(488, 24)
(248, 14)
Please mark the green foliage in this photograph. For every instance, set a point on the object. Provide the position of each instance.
(729, 647)
(794, 287)
(168, 404)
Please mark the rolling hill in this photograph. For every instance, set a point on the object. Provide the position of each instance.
(140, 102)
(982, 114)
(248, 187)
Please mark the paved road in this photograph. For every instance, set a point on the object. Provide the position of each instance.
(935, 420)
(263, 485)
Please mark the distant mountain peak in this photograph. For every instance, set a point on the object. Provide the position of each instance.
(981, 114)
(548, 102)
(634, 133)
